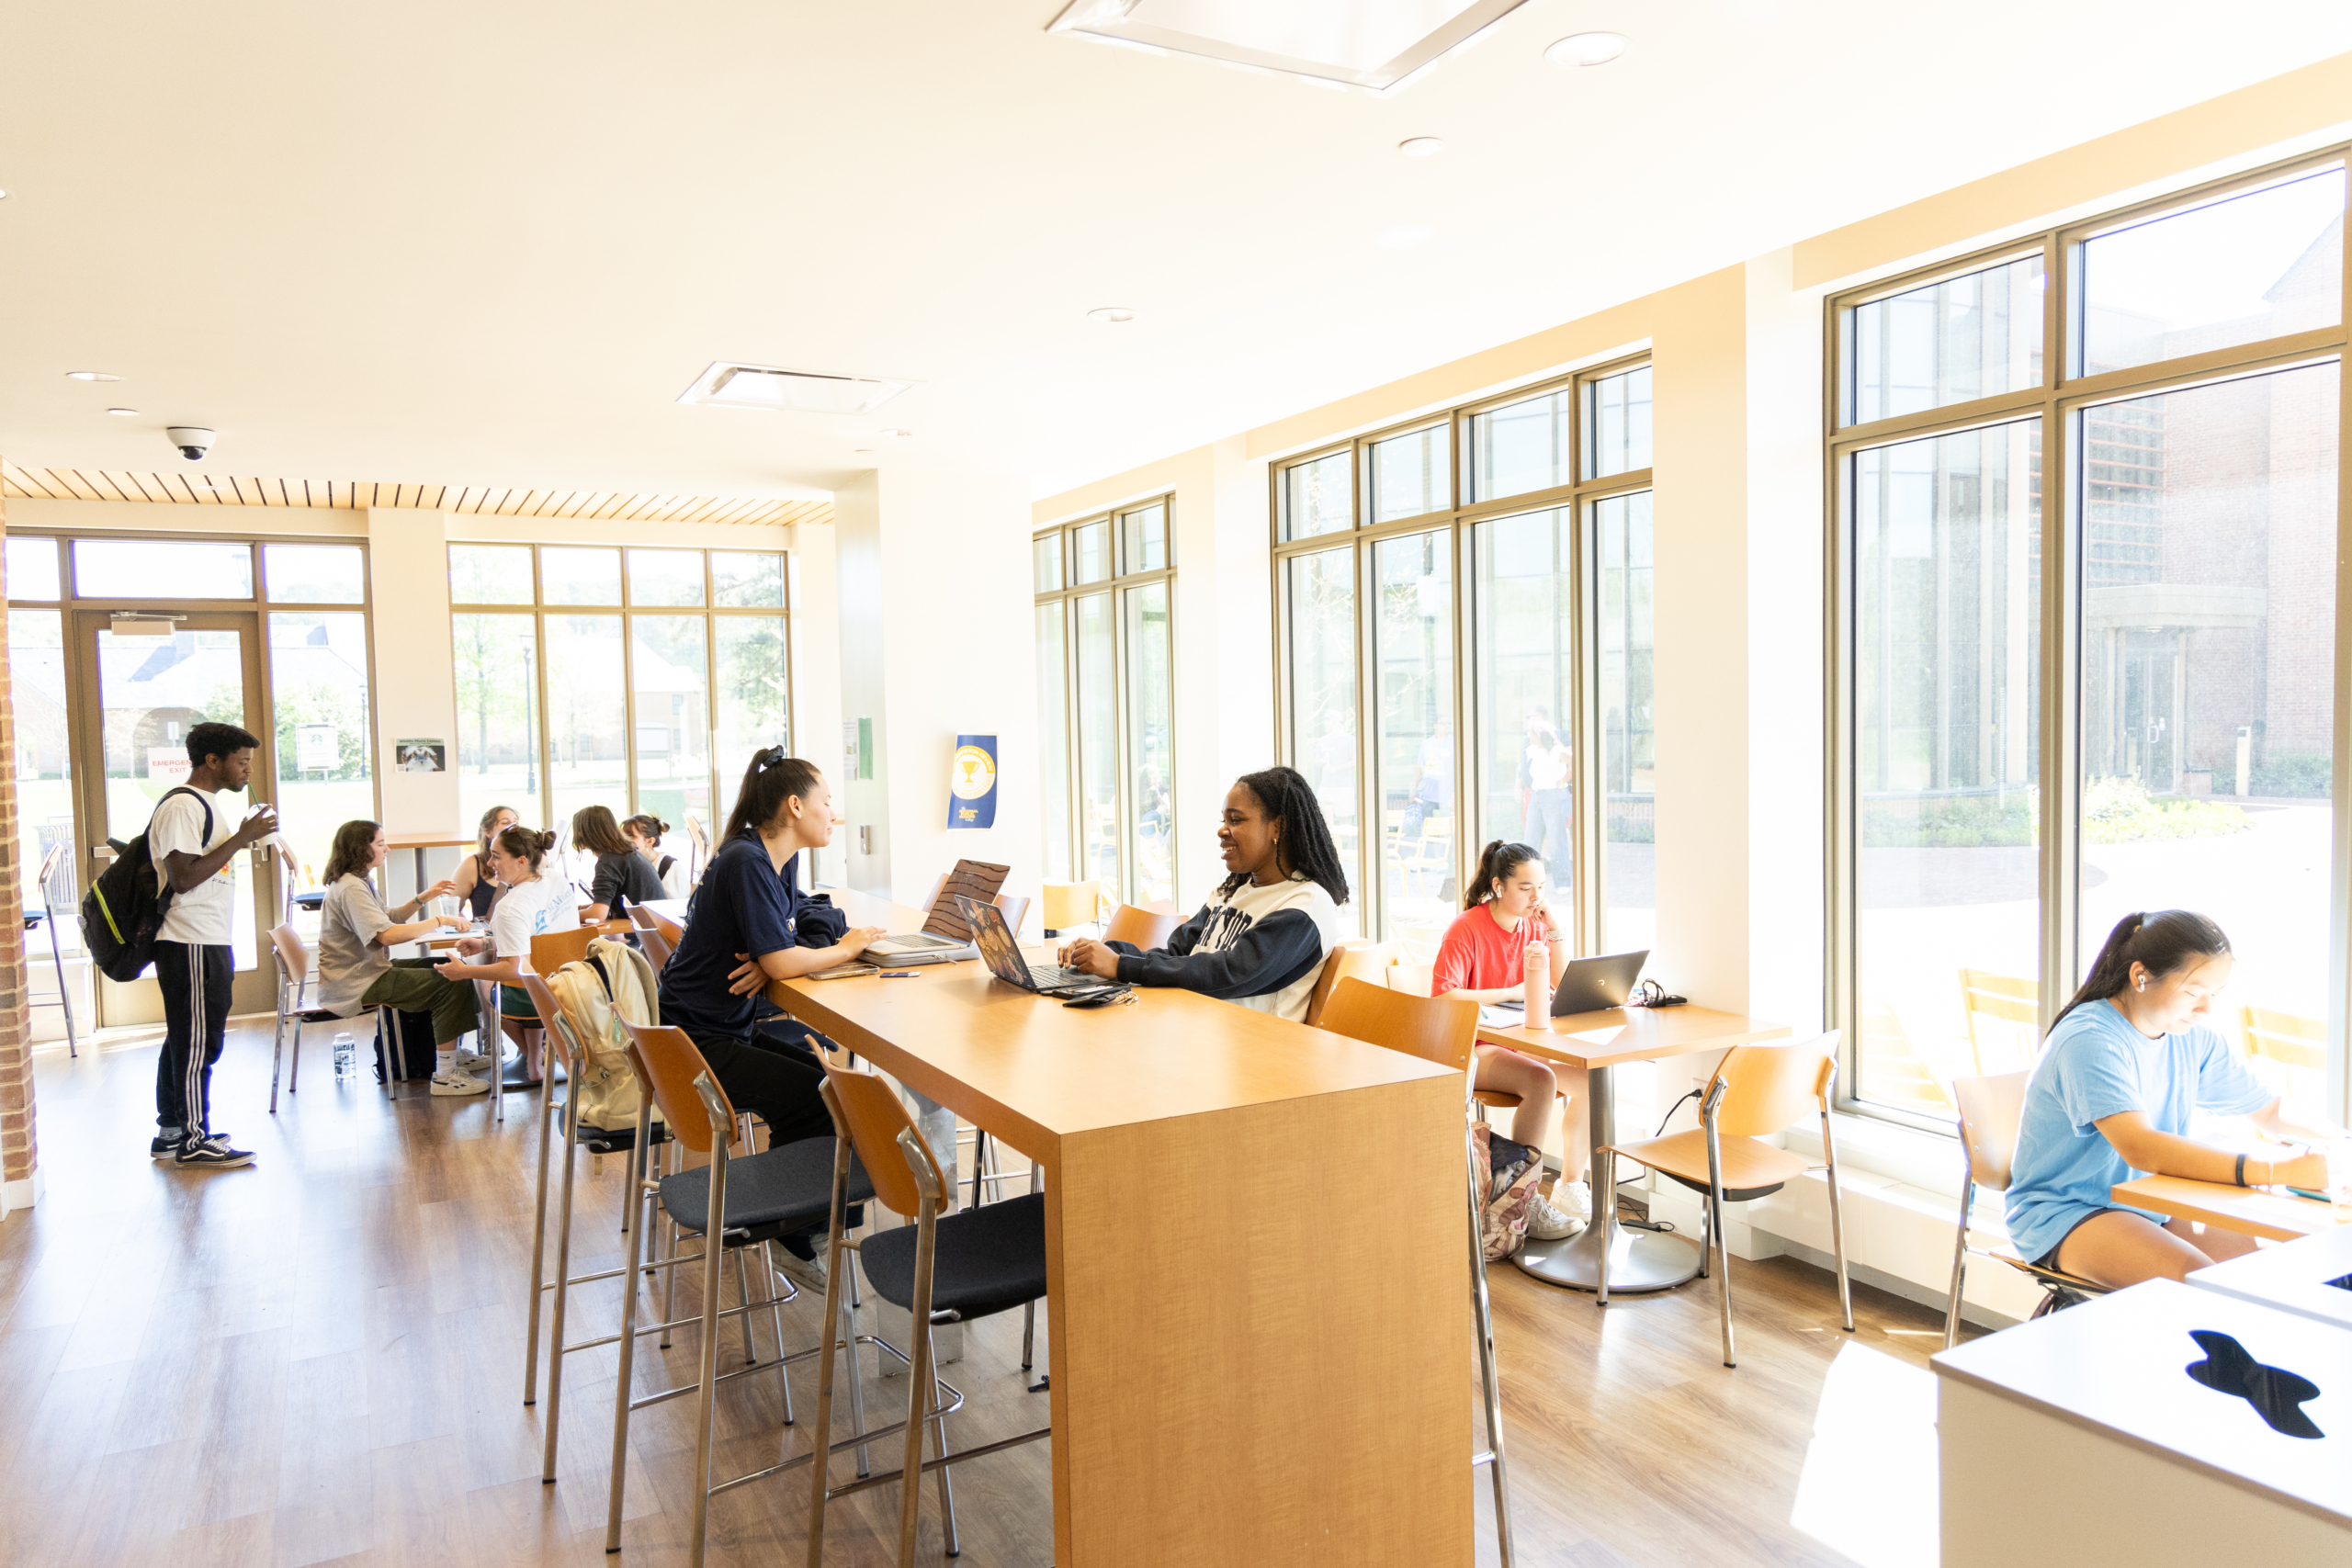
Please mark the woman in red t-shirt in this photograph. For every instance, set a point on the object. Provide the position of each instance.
(1484, 957)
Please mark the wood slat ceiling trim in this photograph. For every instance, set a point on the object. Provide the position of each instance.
(183, 489)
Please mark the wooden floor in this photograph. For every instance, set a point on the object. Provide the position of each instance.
(320, 1360)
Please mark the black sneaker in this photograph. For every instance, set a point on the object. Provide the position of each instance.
(164, 1147)
(213, 1154)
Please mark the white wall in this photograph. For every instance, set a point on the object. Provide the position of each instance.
(815, 653)
(408, 567)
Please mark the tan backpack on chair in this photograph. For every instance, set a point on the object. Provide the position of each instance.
(596, 993)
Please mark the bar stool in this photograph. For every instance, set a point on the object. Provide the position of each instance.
(1440, 1030)
(55, 875)
(759, 1198)
(957, 1268)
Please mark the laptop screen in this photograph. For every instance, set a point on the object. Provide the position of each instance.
(998, 949)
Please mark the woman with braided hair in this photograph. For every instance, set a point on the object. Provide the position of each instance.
(1260, 940)
(2126, 1063)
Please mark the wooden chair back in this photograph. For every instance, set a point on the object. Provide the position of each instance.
(553, 950)
(293, 954)
(1436, 1028)
(1892, 1067)
(1146, 928)
(2003, 1017)
(869, 1113)
(1071, 904)
(1990, 1110)
(1768, 1087)
(1359, 959)
(1413, 979)
(1015, 910)
(649, 934)
(669, 1063)
(2285, 1039)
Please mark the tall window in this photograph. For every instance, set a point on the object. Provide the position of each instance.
(1105, 701)
(640, 680)
(2126, 431)
(1464, 613)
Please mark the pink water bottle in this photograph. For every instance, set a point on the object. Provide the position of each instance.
(1539, 983)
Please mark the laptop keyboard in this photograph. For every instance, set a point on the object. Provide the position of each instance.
(1047, 976)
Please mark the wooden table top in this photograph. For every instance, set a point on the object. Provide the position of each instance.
(2271, 1213)
(1615, 1035)
(1034, 1071)
(428, 840)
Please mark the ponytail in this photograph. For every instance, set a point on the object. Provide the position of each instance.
(525, 844)
(2165, 940)
(1496, 864)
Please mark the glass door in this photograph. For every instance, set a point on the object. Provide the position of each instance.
(146, 692)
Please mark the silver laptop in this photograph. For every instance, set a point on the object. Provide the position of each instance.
(917, 947)
(1592, 983)
(1003, 954)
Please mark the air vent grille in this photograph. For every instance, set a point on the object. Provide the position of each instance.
(807, 391)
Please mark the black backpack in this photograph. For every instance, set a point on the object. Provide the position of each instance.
(124, 908)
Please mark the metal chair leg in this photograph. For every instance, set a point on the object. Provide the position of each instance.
(66, 1006)
(637, 1196)
(1483, 1323)
(538, 1265)
(776, 1321)
(837, 1327)
(562, 1283)
(1959, 1264)
(938, 1423)
(1838, 1223)
(919, 1376)
(743, 1299)
(1716, 1202)
(714, 1257)
(1029, 1311)
(277, 1042)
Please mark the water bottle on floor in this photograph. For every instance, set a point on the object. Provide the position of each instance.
(346, 1059)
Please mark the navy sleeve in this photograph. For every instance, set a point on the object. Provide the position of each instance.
(1271, 955)
(761, 902)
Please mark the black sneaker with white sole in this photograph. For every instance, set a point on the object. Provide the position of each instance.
(165, 1147)
(213, 1154)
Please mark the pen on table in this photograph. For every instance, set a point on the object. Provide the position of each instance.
(899, 973)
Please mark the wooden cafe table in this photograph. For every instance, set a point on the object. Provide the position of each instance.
(2272, 1214)
(1236, 1377)
(420, 842)
(1600, 1042)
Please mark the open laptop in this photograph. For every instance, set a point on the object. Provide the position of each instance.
(1002, 955)
(1589, 985)
(945, 936)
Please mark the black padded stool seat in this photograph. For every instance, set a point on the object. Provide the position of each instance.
(619, 1139)
(990, 1260)
(775, 1193)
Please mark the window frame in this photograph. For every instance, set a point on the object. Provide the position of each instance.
(1124, 578)
(1578, 497)
(539, 608)
(2058, 400)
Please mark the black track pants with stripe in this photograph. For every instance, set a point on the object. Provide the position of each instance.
(195, 983)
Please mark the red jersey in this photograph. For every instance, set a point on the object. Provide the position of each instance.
(1478, 954)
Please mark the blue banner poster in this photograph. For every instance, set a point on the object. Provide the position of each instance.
(971, 782)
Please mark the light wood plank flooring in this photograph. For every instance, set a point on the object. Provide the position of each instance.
(320, 1361)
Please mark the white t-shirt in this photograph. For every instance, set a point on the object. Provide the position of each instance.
(535, 908)
(202, 916)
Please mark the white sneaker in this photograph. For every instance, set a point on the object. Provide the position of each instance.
(1573, 1197)
(458, 1082)
(808, 1273)
(468, 1059)
(1546, 1223)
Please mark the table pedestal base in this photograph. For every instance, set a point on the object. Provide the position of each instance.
(1638, 1260)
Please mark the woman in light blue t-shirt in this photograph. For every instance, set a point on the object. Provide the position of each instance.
(2129, 1060)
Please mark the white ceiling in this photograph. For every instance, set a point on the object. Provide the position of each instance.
(467, 243)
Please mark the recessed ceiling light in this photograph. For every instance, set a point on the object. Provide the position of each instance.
(888, 432)
(90, 375)
(861, 451)
(126, 413)
(1404, 239)
(1587, 49)
(727, 385)
(1111, 313)
(1421, 146)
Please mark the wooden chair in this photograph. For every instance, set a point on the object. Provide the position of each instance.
(957, 1268)
(2011, 1035)
(1892, 1072)
(1756, 1091)
(2297, 1044)
(777, 1193)
(1146, 928)
(293, 955)
(1069, 904)
(648, 925)
(1015, 908)
(1990, 1112)
(1357, 958)
(1413, 979)
(1441, 1030)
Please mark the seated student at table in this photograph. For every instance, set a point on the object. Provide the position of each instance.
(623, 876)
(533, 905)
(473, 882)
(1484, 957)
(2127, 1061)
(357, 968)
(644, 834)
(1261, 937)
(752, 925)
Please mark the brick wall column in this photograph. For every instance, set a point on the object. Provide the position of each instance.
(19, 1155)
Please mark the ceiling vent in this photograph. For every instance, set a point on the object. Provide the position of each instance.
(1375, 45)
(810, 391)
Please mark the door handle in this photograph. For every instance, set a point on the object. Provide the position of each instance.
(102, 854)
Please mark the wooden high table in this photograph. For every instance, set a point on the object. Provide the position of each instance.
(421, 842)
(1236, 1376)
(1598, 1042)
(2269, 1214)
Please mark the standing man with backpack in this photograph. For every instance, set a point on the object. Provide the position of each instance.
(192, 844)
